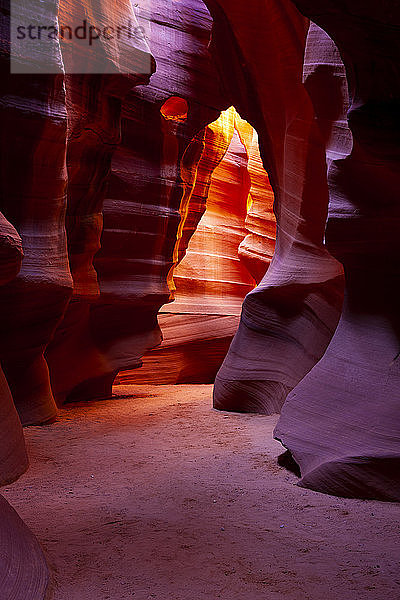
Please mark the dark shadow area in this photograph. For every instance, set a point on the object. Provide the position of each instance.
(287, 461)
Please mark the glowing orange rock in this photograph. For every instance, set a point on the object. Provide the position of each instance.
(257, 249)
(106, 332)
(288, 319)
(211, 280)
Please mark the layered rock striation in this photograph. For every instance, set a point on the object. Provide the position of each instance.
(341, 423)
(288, 319)
(13, 457)
(151, 173)
(224, 245)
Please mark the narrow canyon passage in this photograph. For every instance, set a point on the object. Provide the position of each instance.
(199, 258)
(154, 495)
(224, 245)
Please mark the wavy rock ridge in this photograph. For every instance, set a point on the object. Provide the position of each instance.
(225, 241)
(123, 190)
(342, 421)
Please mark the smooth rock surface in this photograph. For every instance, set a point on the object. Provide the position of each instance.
(288, 320)
(342, 422)
(23, 570)
(13, 458)
(217, 260)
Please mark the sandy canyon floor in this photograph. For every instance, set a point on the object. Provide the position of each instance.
(153, 495)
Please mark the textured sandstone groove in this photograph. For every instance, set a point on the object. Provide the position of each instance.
(23, 570)
(288, 320)
(342, 422)
(109, 329)
(33, 123)
(94, 104)
(13, 458)
(210, 281)
(257, 249)
(94, 109)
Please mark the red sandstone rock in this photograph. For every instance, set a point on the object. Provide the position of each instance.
(210, 282)
(211, 278)
(288, 320)
(94, 100)
(33, 124)
(93, 135)
(342, 423)
(23, 571)
(33, 199)
(257, 249)
(103, 335)
(13, 458)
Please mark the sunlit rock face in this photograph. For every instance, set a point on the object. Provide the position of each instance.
(257, 248)
(94, 118)
(288, 320)
(211, 277)
(342, 423)
(211, 280)
(139, 189)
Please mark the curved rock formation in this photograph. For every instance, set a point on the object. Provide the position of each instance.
(33, 124)
(13, 458)
(23, 570)
(288, 320)
(257, 249)
(210, 281)
(94, 109)
(324, 77)
(342, 423)
(33, 138)
(102, 335)
(94, 103)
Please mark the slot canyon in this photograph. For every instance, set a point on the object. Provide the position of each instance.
(199, 331)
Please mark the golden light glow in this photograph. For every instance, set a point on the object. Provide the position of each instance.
(222, 131)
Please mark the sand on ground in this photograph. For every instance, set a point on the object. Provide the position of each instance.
(154, 495)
